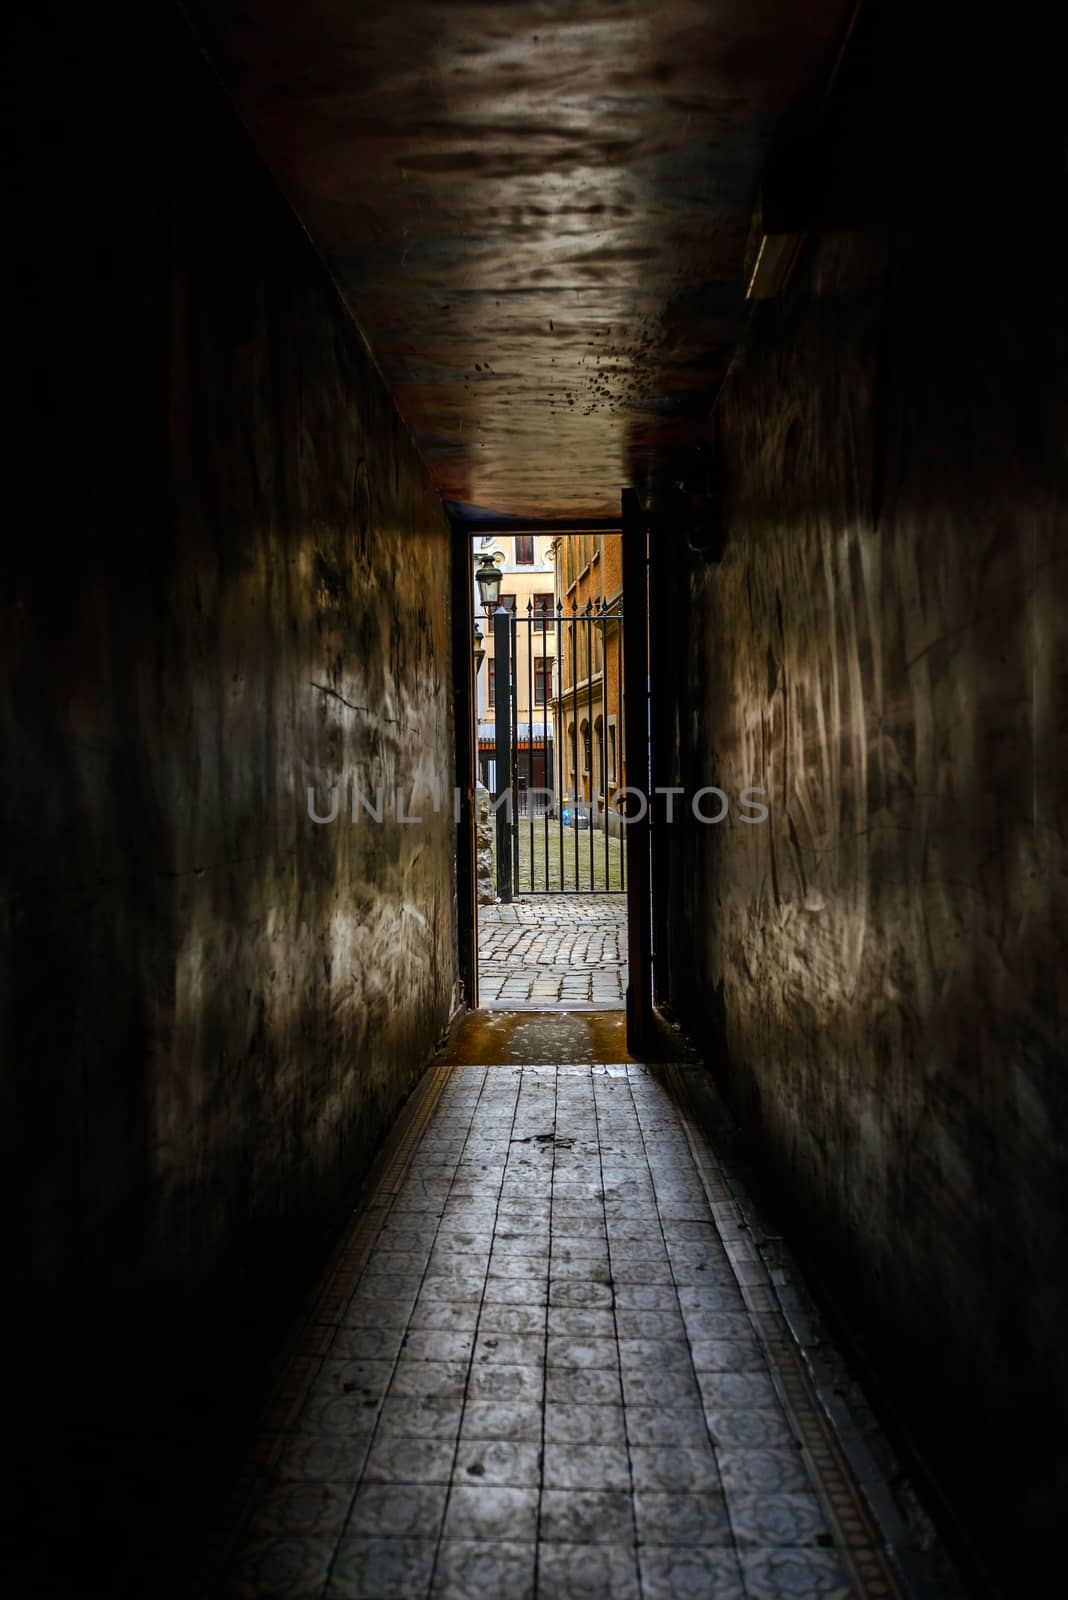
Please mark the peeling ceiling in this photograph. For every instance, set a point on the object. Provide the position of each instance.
(537, 212)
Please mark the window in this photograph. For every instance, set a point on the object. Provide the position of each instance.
(508, 602)
(543, 680)
(611, 752)
(587, 750)
(543, 613)
(570, 564)
(524, 549)
(491, 684)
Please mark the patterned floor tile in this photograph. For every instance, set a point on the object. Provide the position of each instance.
(763, 1471)
(745, 1390)
(382, 1569)
(516, 1292)
(470, 1567)
(682, 1573)
(581, 1322)
(366, 1344)
(587, 1572)
(444, 1316)
(662, 1425)
(513, 1463)
(674, 1468)
(584, 1424)
(428, 1380)
(347, 1416)
(437, 1344)
(488, 1512)
(303, 1509)
(499, 1419)
(393, 1460)
(728, 1355)
(586, 1466)
(670, 1387)
(579, 1292)
(280, 1569)
(777, 1519)
(583, 1386)
(666, 1355)
(500, 1319)
(565, 1350)
(681, 1519)
(749, 1429)
(586, 1517)
(794, 1575)
(405, 1418)
(398, 1511)
(505, 1382)
(647, 1297)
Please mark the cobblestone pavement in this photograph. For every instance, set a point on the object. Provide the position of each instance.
(547, 1363)
(554, 951)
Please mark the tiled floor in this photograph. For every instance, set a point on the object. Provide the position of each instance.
(563, 951)
(546, 1366)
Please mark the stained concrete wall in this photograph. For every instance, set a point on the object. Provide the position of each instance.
(232, 585)
(880, 971)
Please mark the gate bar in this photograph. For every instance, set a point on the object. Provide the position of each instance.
(513, 698)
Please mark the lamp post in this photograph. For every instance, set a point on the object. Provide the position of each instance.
(488, 579)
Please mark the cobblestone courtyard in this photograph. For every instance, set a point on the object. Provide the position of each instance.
(554, 951)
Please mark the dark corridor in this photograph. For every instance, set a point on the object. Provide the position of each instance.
(308, 297)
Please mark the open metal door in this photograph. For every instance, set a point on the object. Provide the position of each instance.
(638, 731)
(463, 700)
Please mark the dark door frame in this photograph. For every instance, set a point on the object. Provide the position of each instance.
(633, 524)
(463, 701)
(636, 734)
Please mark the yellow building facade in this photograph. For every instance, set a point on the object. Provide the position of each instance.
(528, 587)
(588, 703)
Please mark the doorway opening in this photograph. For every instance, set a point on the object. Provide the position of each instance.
(550, 761)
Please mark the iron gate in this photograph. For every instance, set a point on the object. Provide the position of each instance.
(564, 682)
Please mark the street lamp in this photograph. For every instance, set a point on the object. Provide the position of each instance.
(480, 649)
(488, 578)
